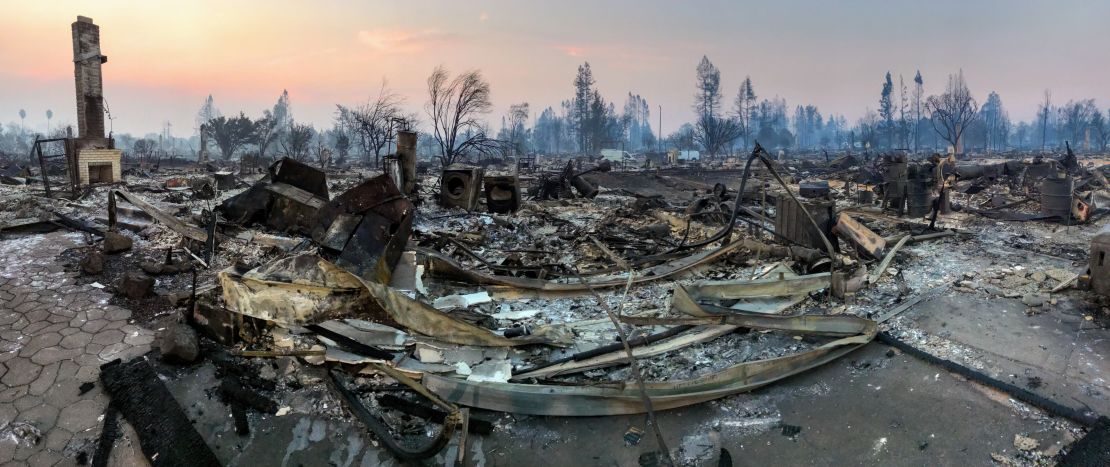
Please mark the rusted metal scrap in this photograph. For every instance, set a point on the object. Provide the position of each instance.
(384, 433)
(307, 289)
(558, 186)
(300, 175)
(287, 200)
(439, 265)
(366, 228)
(792, 225)
(618, 399)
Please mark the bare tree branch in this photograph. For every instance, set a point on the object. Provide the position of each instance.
(455, 106)
(953, 111)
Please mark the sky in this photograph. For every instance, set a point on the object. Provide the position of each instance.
(165, 57)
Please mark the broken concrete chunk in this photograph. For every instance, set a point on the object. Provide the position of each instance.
(493, 371)
(178, 342)
(136, 285)
(428, 354)
(1025, 443)
(92, 263)
(1034, 299)
(408, 275)
(461, 368)
(461, 301)
(1059, 275)
(115, 243)
(314, 359)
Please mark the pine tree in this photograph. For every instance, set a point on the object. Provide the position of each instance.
(886, 108)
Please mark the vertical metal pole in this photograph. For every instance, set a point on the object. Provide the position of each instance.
(42, 166)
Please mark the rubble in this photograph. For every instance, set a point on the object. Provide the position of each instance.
(116, 243)
(401, 296)
(178, 342)
(136, 285)
(92, 263)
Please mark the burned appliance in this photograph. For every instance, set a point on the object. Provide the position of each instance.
(459, 187)
(502, 193)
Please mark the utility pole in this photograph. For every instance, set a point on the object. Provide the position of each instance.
(659, 140)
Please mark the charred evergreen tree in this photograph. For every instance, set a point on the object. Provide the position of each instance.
(903, 123)
(342, 145)
(1101, 127)
(207, 112)
(713, 132)
(918, 94)
(514, 122)
(636, 123)
(886, 110)
(745, 107)
(583, 95)
(996, 123)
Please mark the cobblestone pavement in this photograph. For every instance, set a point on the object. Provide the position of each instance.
(54, 335)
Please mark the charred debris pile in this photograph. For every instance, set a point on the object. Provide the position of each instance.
(539, 293)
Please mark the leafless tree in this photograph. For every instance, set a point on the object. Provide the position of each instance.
(297, 142)
(455, 105)
(143, 149)
(265, 132)
(375, 121)
(953, 111)
(1046, 107)
(1075, 117)
(515, 120)
(323, 152)
(1101, 126)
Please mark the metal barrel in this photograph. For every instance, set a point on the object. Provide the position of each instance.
(1056, 195)
(917, 198)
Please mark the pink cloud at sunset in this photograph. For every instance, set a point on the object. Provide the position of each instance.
(165, 57)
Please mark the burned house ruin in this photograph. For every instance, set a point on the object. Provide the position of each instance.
(407, 288)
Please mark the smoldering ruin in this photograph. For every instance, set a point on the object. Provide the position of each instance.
(410, 289)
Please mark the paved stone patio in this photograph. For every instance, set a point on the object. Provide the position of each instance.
(54, 335)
